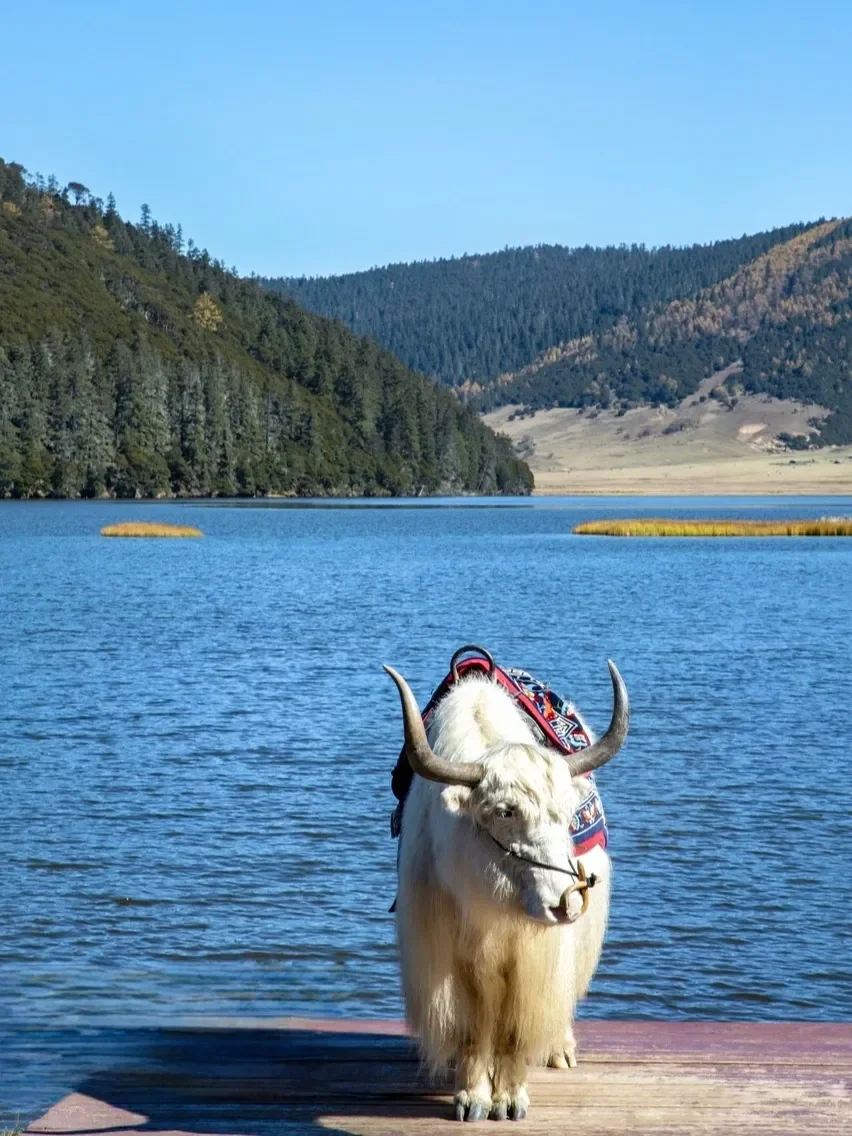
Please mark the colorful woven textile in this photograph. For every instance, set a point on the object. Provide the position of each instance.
(588, 828)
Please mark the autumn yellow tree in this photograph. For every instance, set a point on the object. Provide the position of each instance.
(102, 238)
(208, 314)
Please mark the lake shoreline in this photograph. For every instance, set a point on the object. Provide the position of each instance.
(553, 491)
(649, 494)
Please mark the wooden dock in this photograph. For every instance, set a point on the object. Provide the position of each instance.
(363, 1079)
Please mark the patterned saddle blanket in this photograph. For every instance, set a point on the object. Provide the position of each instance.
(556, 723)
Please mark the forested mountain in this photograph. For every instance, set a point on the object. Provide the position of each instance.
(470, 319)
(133, 365)
(782, 322)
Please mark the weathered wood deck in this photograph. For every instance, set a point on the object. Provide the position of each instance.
(363, 1078)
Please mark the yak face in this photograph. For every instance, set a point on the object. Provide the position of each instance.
(505, 801)
(525, 803)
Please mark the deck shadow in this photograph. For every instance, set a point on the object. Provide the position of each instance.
(233, 1081)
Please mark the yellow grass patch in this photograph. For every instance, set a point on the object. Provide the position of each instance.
(149, 528)
(825, 526)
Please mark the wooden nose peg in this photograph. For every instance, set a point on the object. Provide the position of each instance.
(582, 885)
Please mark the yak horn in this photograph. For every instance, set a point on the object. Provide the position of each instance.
(420, 755)
(594, 756)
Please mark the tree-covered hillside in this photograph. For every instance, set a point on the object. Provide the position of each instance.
(134, 365)
(785, 320)
(467, 320)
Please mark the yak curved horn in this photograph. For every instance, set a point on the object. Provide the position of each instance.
(594, 756)
(420, 755)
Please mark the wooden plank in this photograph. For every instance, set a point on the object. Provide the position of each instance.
(364, 1079)
(777, 1042)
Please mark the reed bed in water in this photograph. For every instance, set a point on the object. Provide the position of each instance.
(655, 526)
(149, 528)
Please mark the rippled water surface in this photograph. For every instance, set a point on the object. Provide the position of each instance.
(197, 737)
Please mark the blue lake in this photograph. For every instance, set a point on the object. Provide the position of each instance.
(197, 737)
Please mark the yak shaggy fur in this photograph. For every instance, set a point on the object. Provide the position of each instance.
(487, 988)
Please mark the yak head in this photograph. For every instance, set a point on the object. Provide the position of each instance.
(505, 816)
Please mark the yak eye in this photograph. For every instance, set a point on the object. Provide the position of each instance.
(504, 812)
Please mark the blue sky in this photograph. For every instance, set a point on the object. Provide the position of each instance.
(295, 139)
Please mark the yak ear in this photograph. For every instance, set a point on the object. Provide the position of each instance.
(456, 799)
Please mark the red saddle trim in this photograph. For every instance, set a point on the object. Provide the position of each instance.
(402, 774)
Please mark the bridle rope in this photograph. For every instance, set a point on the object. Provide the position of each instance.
(581, 883)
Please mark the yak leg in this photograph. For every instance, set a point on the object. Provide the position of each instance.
(510, 1098)
(589, 930)
(473, 1061)
(473, 1085)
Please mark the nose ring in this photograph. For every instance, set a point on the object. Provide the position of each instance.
(582, 885)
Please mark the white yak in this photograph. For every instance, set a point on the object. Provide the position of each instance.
(493, 947)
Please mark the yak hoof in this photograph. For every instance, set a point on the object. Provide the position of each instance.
(471, 1108)
(500, 1110)
(519, 1102)
(563, 1059)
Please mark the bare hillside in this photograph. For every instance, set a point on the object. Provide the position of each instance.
(702, 446)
